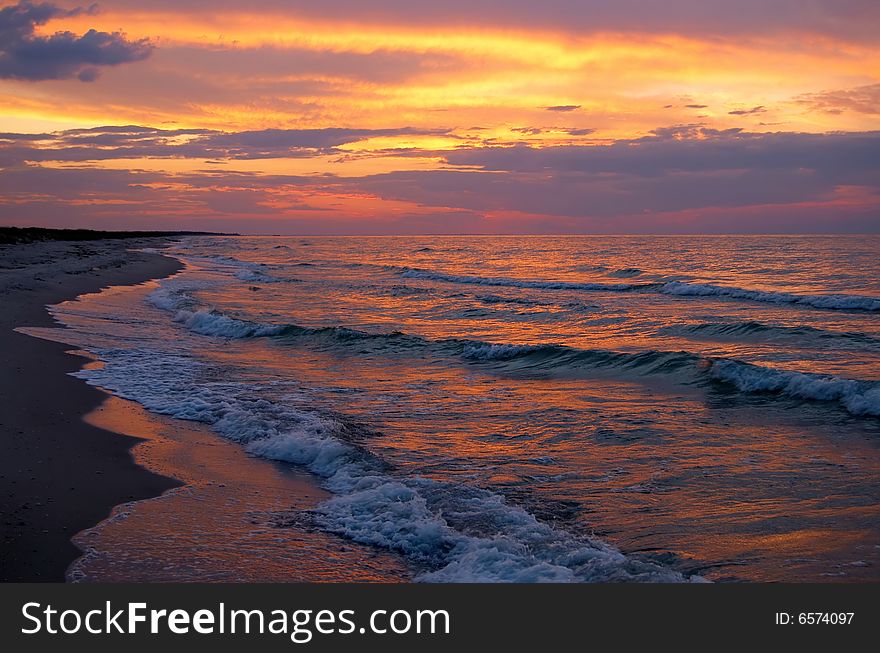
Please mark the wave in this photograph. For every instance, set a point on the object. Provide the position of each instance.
(546, 357)
(396, 290)
(857, 397)
(225, 260)
(212, 323)
(256, 276)
(206, 322)
(244, 270)
(453, 532)
(834, 302)
(491, 300)
(762, 331)
(171, 296)
(626, 273)
(677, 288)
(416, 273)
(860, 398)
(497, 299)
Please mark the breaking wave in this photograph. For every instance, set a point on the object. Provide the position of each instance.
(450, 531)
(860, 398)
(256, 276)
(834, 302)
(678, 288)
(857, 397)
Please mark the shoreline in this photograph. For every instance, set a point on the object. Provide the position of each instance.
(60, 475)
(231, 521)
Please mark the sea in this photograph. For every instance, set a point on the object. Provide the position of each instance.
(519, 408)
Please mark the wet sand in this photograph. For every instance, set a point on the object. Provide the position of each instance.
(96, 489)
(58, 474)
(235, 519)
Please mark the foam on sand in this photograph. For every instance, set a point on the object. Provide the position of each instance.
(451, 531)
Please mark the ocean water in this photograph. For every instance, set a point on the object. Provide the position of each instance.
(562, 409)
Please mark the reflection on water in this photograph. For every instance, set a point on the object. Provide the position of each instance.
(708, 405)
(215, 528)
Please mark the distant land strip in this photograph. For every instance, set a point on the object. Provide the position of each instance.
(17, 235)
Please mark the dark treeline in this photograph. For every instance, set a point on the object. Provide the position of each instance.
(14, 235)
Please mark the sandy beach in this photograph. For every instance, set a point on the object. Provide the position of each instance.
(58, 474)
(77, 458)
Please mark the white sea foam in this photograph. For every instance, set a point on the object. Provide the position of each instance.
(679, 288)
(454, 532)
(860, 398)
(176, 298)
(450, 531)
(857, 397)
(838, 302)
(256, 276)
(429, 522)
(169, 297)
(210, 323)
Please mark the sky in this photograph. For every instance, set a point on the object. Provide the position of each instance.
(414, 117)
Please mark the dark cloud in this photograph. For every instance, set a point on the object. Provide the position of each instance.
(667, 150)
(690, 131)
(643, 180)
(590, 196)
(862, 99)
(579, 131)
(26, 56)
(850, 19)
(747, 112)
(133, 141)
(696, 106)
(564, 108)
(272, 143)
(737, 180)
(535, 131)
(122, 136)
(12, 136)
(689, 148)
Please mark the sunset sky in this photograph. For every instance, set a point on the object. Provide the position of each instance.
(513, 116)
